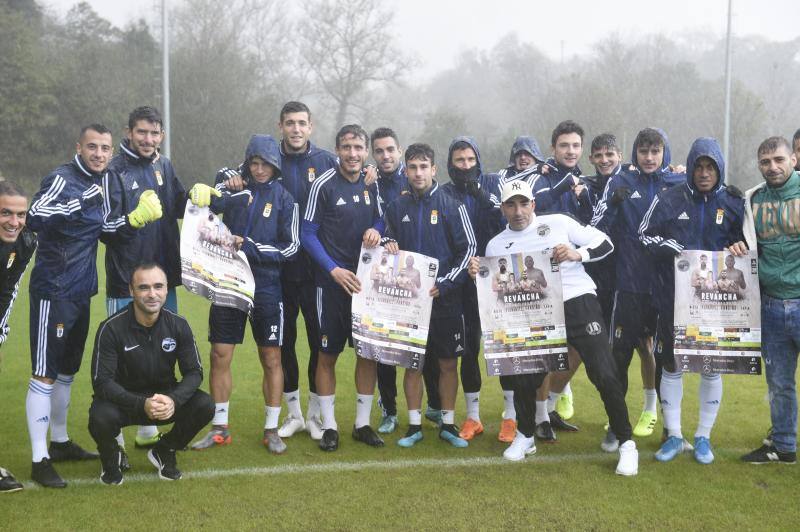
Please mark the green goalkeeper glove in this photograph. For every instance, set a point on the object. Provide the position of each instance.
(148, 210)
(200, 194)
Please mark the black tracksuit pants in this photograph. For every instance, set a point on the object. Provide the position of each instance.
(299, 296)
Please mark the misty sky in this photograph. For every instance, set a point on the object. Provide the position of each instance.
(437, 30)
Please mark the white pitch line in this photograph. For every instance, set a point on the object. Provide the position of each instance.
(299, 469)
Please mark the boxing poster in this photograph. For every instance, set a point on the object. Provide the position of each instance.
(522, 313)
(211, 265)
(717, 313)
(392, 312)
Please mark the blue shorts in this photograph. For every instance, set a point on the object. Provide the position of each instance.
(115, 304)
(335, 319)
(226, 324)
(58, 331)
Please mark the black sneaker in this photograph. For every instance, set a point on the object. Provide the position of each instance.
(558, 423)
(8, 484)
(124, 464)
(69, 451)
(366, 435)
(165, 462)
(45, 474)
(544, 432)
(330, 440)
(111, 468)
(767, 454)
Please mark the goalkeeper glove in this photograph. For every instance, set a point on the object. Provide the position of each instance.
(200, 194)
(148, 210)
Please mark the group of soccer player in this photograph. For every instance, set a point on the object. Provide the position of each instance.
(301, 214)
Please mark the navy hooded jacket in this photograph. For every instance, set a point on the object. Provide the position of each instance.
(522, 143)
(70, 213)
(483, 209)
(391, 186)
(438, 226)
(265, 215)
(627, 197)
(157, 241)
(684, 218)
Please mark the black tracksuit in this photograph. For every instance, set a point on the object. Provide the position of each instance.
(130, 363)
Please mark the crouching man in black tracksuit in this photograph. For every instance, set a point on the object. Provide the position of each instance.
(133, 376)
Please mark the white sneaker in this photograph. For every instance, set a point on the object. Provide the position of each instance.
(520, 448)
(314, 428)
(291, 425)
(628, 464)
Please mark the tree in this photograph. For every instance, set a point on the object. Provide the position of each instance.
(349, 48)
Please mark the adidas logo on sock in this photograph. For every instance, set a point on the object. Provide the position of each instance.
(683, 216)
(43, 419)
(636, 195)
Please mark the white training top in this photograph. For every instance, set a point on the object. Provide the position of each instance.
(546, 232)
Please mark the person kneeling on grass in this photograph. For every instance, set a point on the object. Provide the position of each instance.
(133, 376)
(586, 329)
(430, 222)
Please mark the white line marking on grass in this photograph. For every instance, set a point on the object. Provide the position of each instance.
(332, 467)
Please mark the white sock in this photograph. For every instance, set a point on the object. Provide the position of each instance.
(37, 409)
(363, 409)
(508, 401)
(671, 396)
(650, 400)
(415, 417)
(710, 398)
(326, 408)
(59, 402)
(272, 415)
(313, 405)
(121, 440)
(147, 431)
(293, 406)
(221, 413)
(552, 397)
(448, 417)
(473, 400)
(542, 414)
(567, 390)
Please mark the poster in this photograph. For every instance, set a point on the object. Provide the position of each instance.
(392, 311)
(522, 313)
(717, 313)
(211, 266)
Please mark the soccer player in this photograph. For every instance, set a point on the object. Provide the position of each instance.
(479, 192)
(430, 222)
(17, 244)
(139, 166)
(525, 154)
(573, 244)
(133, 376)
(302, 163)
(626, 198)
(606, 157)
(705, 214)
(341, 211)
(69, 213)
(771, 225)
(264, 220)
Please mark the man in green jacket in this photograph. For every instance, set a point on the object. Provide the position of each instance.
(773, 224)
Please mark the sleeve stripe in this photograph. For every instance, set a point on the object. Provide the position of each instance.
(52, 193)
(311, 206)
(471, 244)
(602, 206)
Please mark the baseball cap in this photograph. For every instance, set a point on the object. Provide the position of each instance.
(515, 188)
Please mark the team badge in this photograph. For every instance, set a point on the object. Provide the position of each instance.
(720, 214)
(158, 178)
(434, 217)
(543, 230)
(59, 330)
(366, 197)
(324, 340)
(312, 174)
(168, 345)
(11, 258)
(267, 210)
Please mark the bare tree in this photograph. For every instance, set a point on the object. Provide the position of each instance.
(349, 49)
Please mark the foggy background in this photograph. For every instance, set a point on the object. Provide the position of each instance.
(430, 70)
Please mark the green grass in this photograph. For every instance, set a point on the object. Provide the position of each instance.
(569, 485)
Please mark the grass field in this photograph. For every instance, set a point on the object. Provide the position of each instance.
(567, 485)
